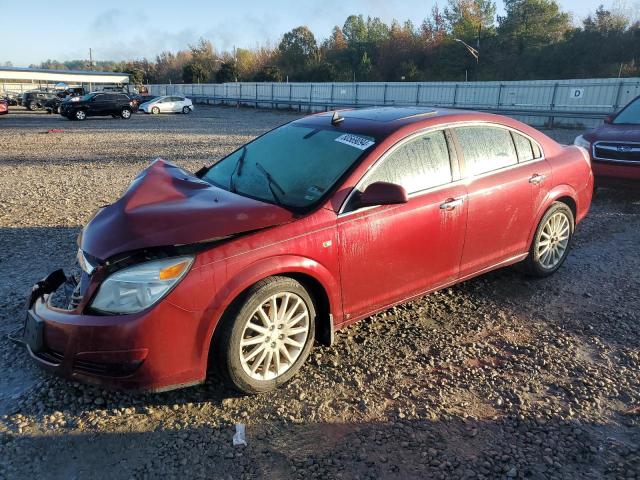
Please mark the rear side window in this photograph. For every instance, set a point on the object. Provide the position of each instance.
(526, 149)
(486, 148)
(418, 164)
(523, 147)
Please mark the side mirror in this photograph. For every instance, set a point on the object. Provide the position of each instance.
(382, 193)
(609, 118)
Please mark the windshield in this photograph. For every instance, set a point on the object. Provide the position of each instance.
(630, 115)
(87, 97)
(293, 166)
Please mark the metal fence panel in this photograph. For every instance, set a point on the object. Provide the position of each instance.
(540, 101)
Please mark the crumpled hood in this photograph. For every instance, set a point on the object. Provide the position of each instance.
(166, 206)
(618, 133)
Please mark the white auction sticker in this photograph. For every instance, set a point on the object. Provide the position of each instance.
(355, 141)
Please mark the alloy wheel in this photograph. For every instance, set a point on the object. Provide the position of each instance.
(274, 336)
(553, 240)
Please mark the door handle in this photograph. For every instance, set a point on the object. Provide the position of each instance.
(451, 203)
(536, 179)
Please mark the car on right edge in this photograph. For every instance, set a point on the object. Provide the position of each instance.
(615, 147)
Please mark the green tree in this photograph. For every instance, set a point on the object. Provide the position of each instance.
(531, 24)
(228, 72)
(202, 66)
(269, 74)
(469, 19)
(195, 72)
(297, 51)
(607, 22)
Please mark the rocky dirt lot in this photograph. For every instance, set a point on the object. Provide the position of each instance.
(500, 377)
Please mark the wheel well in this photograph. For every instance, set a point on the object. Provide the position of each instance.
(569, 202)
(319, 295)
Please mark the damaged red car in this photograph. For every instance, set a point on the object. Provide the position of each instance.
(243, 265)
(615, 147)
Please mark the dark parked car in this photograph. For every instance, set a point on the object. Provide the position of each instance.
(615, 147)
(12, 99)
(143, 98)
(304, 230)
(53, 105)
(97, 104)
(36, 99)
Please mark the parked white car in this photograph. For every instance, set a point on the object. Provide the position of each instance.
(167, 103)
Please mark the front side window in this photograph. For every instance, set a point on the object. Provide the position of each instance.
(630, 115)
(293, 165)
(486, 148)
(416, 165)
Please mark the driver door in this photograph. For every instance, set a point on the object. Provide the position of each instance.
(390, 253)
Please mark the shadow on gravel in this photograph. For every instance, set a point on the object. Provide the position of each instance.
(503, 447)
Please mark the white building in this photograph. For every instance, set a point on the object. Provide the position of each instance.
(14, 79)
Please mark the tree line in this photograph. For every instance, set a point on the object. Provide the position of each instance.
(534, 39)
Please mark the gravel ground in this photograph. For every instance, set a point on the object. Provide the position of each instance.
(500, 377)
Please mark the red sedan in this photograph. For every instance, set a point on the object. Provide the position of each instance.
(4, 106)
(304, 230)
(615, 147)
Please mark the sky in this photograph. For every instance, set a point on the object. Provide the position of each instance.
(117, 31)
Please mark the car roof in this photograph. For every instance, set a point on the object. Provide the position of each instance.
(380, 122)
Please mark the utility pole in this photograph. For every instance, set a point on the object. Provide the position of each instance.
(90, 65)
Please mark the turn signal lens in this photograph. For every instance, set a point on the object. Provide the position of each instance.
(174, 271)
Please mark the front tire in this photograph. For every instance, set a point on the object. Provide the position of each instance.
(551, 242)
(80, 115)
(186, 110)
(266, 335)
(32, 106)
(125, 113)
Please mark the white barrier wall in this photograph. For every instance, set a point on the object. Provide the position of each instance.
(538, 102)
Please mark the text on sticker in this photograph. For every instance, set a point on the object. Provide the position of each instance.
(355, 141)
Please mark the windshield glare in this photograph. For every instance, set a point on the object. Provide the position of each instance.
(299, 163)
(630, 115)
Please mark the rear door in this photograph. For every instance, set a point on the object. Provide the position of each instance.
(178, 103)
(500, 206)
(389, 253)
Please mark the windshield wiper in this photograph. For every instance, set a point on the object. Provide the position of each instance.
(237, 170)
(272, 183)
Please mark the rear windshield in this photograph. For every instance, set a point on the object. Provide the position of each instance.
(293, 166)
(630, 115)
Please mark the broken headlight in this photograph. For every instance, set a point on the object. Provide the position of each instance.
(135, 288)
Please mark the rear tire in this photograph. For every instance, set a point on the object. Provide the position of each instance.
(551, 242)
(32, 106)
(155, 110)
(259, 347)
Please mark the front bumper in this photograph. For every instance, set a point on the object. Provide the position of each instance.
(612, 173)
(150, 351)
